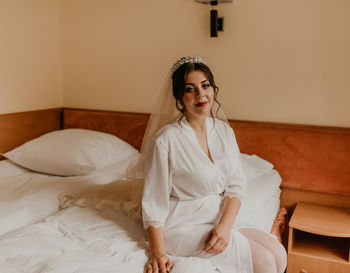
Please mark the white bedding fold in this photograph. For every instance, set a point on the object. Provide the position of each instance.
(82, 240)
(27, 197)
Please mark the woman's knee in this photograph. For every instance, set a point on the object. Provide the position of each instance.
(279, 253)
(264, 263)
(263, 259)
(271, 245)
(281, 259)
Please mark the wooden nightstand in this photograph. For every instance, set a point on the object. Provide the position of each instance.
(319, 240)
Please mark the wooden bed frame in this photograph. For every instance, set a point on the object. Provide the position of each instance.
(314, 161)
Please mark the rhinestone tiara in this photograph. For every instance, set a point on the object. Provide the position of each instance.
(187, 59)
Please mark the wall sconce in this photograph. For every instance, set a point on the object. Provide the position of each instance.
(216, 23)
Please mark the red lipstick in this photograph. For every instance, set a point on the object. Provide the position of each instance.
(201, 104)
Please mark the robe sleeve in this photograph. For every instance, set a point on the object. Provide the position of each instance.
(236, 182)
(157, 188)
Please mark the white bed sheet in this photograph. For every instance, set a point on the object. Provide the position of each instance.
(27, 197)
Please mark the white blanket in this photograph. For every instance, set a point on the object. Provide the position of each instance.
(27, 197)
(83, 240)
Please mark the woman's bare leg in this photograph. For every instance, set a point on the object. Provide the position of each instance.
(270, 244)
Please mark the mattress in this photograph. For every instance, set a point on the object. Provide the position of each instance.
(27, 197)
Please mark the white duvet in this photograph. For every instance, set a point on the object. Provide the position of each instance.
(27, 197)
(83, 240)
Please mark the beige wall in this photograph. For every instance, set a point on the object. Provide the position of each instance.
(30, 55)
(282, 61)
(277, 60)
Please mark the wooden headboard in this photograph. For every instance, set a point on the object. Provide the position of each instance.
(307, 157)
(18, 128)
(314, 162)
(127, 126)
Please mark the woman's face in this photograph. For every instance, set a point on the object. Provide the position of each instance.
(199, 94)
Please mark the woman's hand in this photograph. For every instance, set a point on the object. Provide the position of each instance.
(158, 263)
(217, 239)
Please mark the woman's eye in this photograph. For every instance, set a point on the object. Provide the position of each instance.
(205, 86)
(189, 89)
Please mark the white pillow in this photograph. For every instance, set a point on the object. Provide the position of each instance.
(71, 152)
(254, 166)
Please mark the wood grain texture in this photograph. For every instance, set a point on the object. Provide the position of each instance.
(322, 220)
(308, 158)
(18, 128)
(289, 198)
(306, 264)
(319, 239)
(127, 126)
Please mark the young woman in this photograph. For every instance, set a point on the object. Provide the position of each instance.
(194, 185)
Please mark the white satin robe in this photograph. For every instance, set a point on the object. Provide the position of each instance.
(184, 189)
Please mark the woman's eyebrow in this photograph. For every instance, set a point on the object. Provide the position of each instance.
(193, 83)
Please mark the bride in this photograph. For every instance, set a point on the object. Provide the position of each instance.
(194, 183)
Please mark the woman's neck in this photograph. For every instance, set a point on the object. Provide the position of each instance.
(198, 124)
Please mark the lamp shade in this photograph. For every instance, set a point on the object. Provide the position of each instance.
(208, 2)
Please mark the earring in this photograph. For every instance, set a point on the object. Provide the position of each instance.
(180, 105)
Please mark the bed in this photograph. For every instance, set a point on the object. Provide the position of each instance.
(85, 238)
(91, 233)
